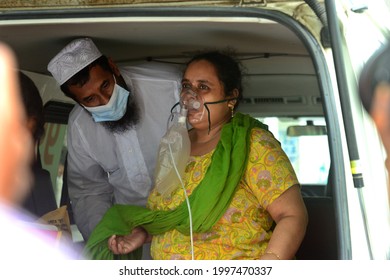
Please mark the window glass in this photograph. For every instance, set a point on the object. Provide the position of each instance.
(53, 153)
(309, 154)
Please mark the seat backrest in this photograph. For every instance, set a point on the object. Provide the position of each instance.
(320, 242)
(41, 199)
(65, 200)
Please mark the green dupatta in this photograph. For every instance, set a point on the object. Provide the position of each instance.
(208, 201)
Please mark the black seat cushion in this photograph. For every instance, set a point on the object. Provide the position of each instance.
(320, 242)
(41, 198)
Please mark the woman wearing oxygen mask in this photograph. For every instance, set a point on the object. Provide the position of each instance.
(242, 198)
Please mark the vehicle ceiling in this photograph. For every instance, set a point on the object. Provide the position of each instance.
(280, 77)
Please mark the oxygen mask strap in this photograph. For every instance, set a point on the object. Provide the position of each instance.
(215, 102)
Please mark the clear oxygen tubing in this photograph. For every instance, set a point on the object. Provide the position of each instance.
(173, 156)
(189, 101)
(183, 119)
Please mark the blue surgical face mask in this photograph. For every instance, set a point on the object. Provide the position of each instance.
(114, 109)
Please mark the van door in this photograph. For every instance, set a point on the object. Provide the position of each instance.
(357, 29)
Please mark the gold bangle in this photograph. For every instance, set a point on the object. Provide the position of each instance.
(272, 253)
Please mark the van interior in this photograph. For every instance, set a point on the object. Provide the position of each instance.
(283, 86)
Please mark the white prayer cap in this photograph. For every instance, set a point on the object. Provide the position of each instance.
(73, 58)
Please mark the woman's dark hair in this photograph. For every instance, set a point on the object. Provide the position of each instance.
(33, 104)
(81, 77)
(228, 70)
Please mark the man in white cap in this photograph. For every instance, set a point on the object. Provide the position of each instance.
(115, 128)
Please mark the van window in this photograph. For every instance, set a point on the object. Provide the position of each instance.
(53, 148)
(309, 154)
(53, 153)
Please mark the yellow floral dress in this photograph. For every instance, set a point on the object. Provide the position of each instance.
(244, 230)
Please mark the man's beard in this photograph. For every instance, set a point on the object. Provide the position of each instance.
(128, 121)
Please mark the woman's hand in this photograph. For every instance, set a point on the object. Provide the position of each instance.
(121, 245)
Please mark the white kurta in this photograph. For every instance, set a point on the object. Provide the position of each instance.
(106, 168)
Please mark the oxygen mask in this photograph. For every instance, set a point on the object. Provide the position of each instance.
(193, 103)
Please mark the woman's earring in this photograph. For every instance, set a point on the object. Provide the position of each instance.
(232, 110)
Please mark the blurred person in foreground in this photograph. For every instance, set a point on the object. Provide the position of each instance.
(244, 194)
(374, 89)
(20, 241)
